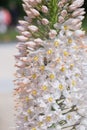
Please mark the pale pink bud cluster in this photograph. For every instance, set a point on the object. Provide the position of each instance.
(78, 12)
(32, 45)
(62, 3)
(62, 16)
(32, 2)
(76, 4)
(62, 13)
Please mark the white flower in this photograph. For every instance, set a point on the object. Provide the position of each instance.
(79, 33)
(81, 127)
(26, 81)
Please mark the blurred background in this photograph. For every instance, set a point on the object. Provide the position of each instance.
(10, 12)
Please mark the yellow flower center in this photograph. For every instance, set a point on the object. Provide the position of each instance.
(34, 92)
(65, 27)
(27, 98)
(61, 87)
(58, 59)
(50, 51)
(77, 75)
(42, 67)
(51, 76)
(63, 69)
(50, 99)
(40, 123)
(66, 53)
(75, 47)
(29, 111)
(36, 58)
(34, 76)
(73, 83)
(71, 66)
(56, 43)
(44, 88)
(26, 118)
(33, 129)
(48, 118)
(69, 40)
(69, 117)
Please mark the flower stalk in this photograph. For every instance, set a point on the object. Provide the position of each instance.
(51, 67)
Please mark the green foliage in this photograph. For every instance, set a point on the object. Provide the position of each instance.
(53, 10)
(84, 25)
(10, 35)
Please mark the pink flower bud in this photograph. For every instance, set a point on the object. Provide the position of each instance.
(38, 1)
(64, 13)
(75, 21)
(78, 12)
(24, 59)
(60, 4)
(30, 14)
(52, 34)
(22, 22)
(44, 9)
(31, 45)
(26, 34)
(64, 1)
(22, 38)
(45, 21)
(61, 19)
(33, 28)
(81, 17)
(35, 12)
(20, 28)
(38, 41)
(20, 64)
(76, 4)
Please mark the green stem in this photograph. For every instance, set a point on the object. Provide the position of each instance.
(71, 126)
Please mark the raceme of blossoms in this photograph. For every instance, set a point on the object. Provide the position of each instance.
(50, 84)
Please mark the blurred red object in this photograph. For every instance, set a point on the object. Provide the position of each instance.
(7, 17)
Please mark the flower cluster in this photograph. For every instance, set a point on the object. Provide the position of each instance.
(51, 74)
